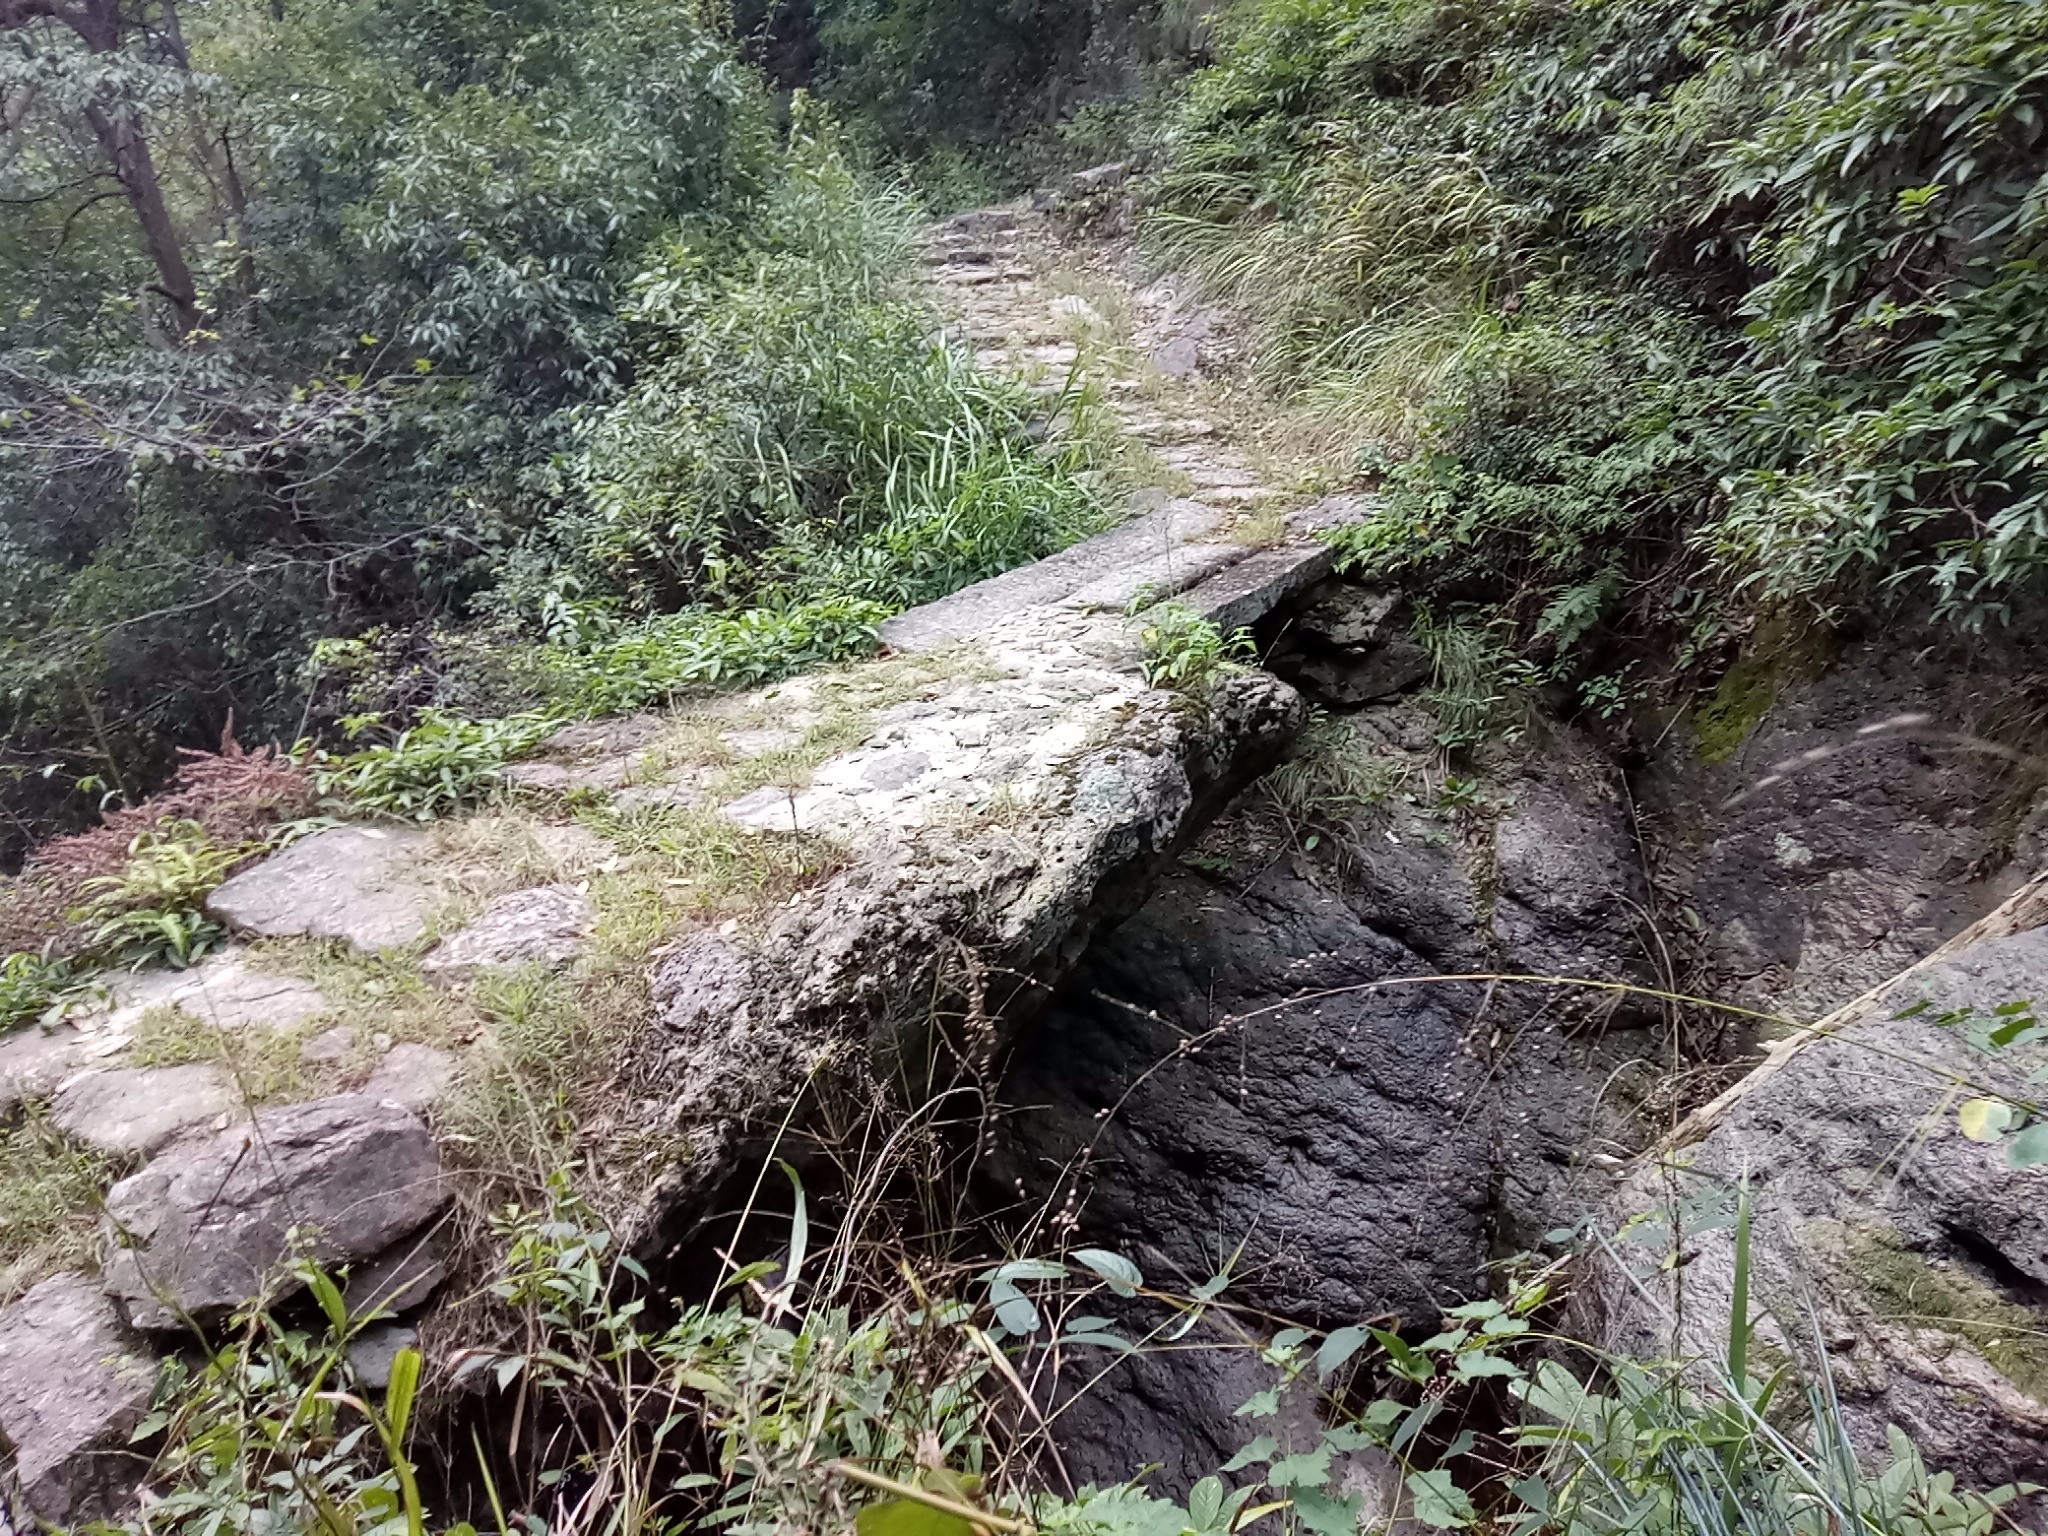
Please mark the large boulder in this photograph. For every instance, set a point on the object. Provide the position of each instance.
(350, 883)
(1041, 804)
(207, 1224)
(1913, 1258)
(73, 1383)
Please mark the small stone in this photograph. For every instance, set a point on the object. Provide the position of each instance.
(228, 993)
(73, 1383)
(327, 1048)
(758, 743)
(126, 1110)
(399, 1279)
(771, 808)
(1098, 178)
(345, 883)
(415, 1076)
(35, 1061)
(1072, 306)
(210, 1220)
(373, 1352)
(1178, 358)
(549, 925)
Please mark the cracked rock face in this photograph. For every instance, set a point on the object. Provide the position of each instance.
(981, 917)
(209, 1220)
(1913, 1254)
(73, 1383)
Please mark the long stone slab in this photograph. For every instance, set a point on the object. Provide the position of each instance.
(972, 611)
(1182, 551)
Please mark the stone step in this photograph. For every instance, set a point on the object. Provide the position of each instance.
(1177, 550)
(1044, 583)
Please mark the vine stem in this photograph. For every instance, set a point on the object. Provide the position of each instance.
(967, 1512)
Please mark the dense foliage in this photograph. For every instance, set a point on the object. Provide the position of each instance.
(466, 338)
(1654, 314)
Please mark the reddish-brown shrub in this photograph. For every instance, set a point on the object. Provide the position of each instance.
(235, 794)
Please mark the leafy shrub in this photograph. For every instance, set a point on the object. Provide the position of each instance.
(32, 985)
(438, 765)
(797, 432)
(449, 203)
(151, 910)
(274, 1429)
(663, 659)
(1651, 317)
(1184, 651)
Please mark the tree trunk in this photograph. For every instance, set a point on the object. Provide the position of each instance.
(135, 167)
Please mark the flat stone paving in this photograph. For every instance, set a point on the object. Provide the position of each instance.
(989, 267)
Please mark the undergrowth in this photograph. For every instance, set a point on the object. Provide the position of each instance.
(852, 1381)
(1650, 320)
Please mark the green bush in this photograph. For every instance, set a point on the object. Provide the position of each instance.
(1651, 316)
(797, 432)
(152, 912)
(439, 764)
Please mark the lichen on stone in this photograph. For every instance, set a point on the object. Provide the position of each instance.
(1904, 1289)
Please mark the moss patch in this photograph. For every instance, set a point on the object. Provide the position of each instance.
(1902, 1287)
(1745, 695)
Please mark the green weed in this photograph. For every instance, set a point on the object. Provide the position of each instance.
(1185, 652)
(50, 1191)
(33, 986)
(436, 766)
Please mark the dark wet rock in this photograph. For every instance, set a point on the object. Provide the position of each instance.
(1373, 1146)
(73, 1383)
(1850, 821)
(208, 1222)
(1349, 645)
(402, 1278)
(1349, 680)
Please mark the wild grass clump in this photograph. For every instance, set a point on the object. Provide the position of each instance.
(1187, 653)
(50, 1192)
(1330, 780)
(1649, 322)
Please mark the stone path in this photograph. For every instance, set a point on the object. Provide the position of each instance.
(995, 272)
(1011, 780)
